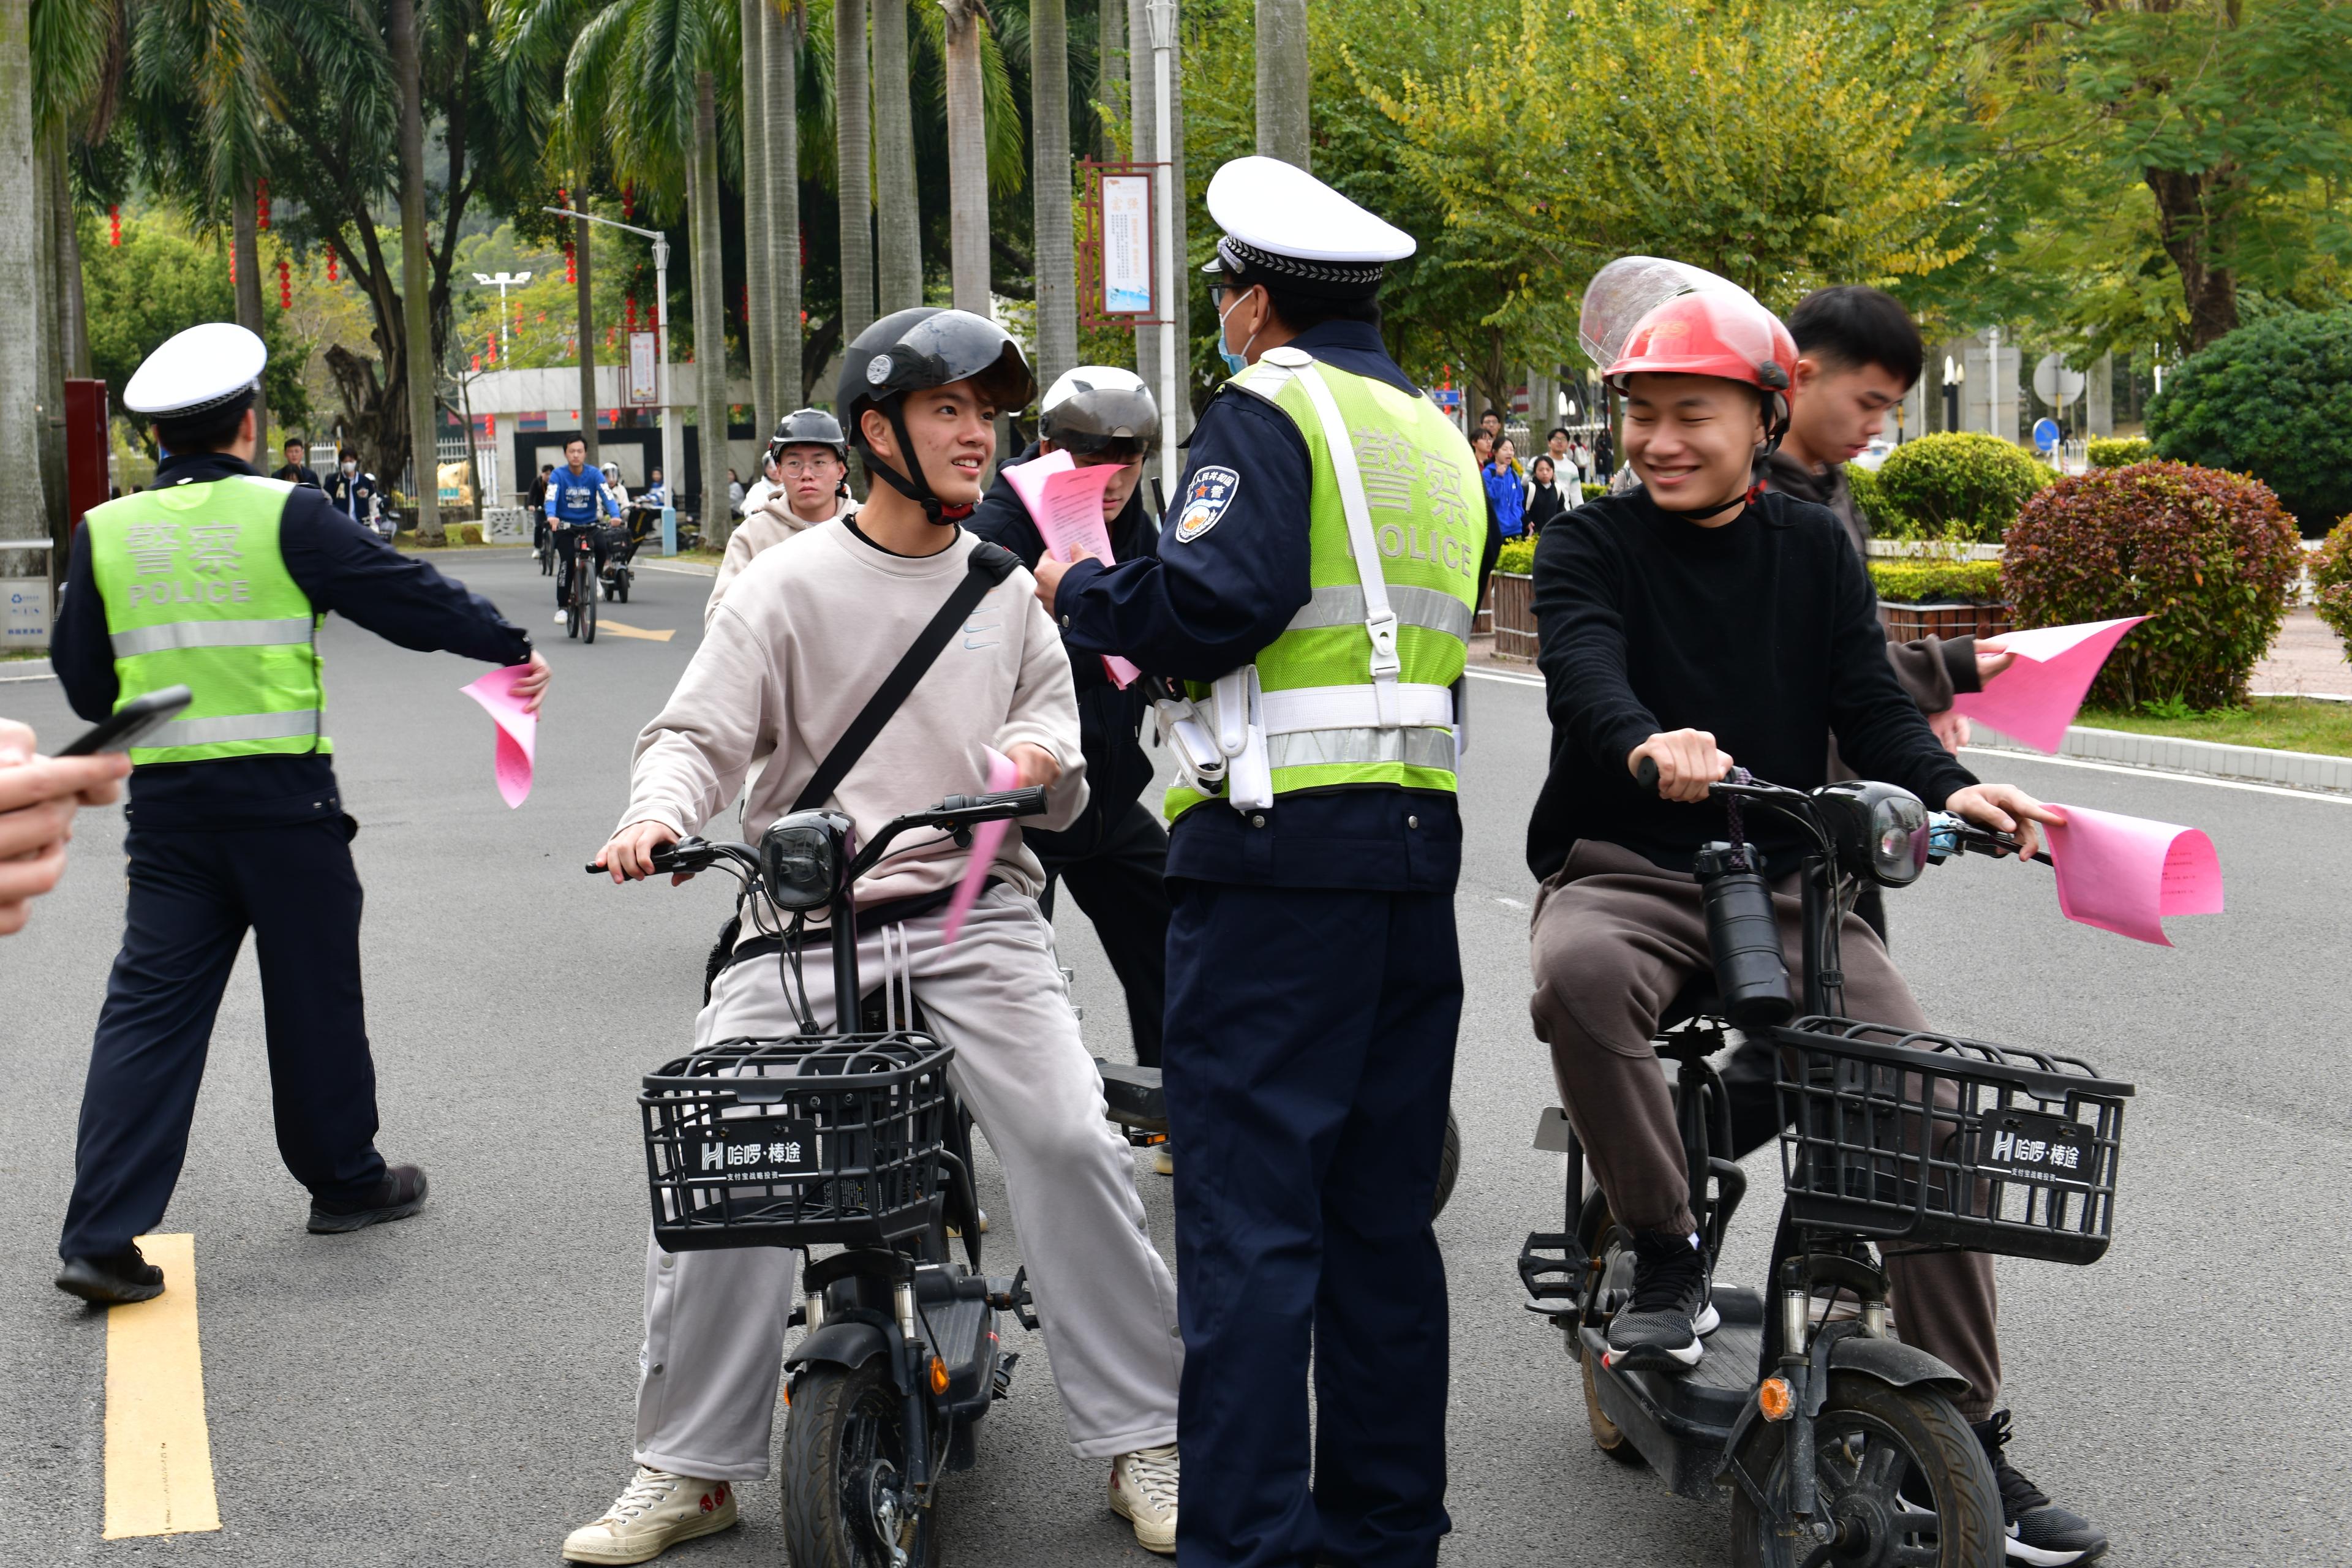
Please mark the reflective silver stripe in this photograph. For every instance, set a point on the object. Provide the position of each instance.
(1313, 748)
(234, 727)
(1343, 605)
(209, 633)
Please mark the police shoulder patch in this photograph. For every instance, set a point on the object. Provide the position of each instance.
(1205, 499)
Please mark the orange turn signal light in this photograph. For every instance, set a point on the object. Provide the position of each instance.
(939, 1375)
(1774, 1400)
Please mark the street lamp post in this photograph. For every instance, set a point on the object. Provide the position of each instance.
(502, 282)
(1162, 13)
(661, 335)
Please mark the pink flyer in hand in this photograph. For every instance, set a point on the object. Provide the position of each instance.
(986, 839)
(2038, 696)
(517, 728)
(2124, 874)
(1066, 502)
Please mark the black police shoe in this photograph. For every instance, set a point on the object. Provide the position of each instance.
(113, 1280)
(398, 1195)
(2038, 1531)
(1660, 1324)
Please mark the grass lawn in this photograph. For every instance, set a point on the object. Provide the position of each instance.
(2282, 723)
(15, 653)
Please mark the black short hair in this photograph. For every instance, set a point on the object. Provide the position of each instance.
(572, 441)
(1851, 326)
(298, 441)
(1556, 431)
(1298, 310)
(208, 431)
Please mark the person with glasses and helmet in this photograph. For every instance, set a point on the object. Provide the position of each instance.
(576, 495)
(1115, 857)
(1312, 593)
(809, 458)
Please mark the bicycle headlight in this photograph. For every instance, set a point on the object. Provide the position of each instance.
(803, 858)
(1880, 831)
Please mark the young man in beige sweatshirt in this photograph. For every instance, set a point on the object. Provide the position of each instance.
(809, 458)
(802, 639)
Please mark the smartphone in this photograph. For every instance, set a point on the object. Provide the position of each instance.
(131, 724)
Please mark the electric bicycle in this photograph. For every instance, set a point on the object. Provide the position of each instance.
(855, 1138)
(1837, 1443)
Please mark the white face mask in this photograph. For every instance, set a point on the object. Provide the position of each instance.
(351, 468)
(1234, 363)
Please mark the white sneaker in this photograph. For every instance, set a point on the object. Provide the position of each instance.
(658, 1511)
(1164, 1159)
(562, 616)
(1143, 1489)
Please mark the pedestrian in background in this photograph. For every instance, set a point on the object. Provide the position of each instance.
(39, 797)
(734, 492)
(296, 472)
(350, 491)
(1507, 490)
(217, 581)
(1546, 496)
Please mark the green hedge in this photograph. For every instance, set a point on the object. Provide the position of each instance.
(2209, 556)
(1519, 555)
(1965, 485)
(1903, 582)
(2274, 399)
(1881, 516)
(2106, 452)
(2331, 582)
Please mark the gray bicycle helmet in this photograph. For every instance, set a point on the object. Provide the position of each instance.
(808, 427)
(1100, 408)
(910, 351)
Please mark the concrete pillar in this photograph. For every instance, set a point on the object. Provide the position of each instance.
(1912, 413)
(2099, 412)
(1988, 401)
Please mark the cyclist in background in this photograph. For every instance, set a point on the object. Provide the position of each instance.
(576, 493)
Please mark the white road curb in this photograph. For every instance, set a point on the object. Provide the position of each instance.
(2167, 753)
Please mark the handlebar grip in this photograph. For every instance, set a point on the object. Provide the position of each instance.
(1645, 773)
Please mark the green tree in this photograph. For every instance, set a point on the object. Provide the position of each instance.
(161, 281)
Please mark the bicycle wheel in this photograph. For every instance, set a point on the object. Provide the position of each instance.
(845, 1469)
(1449, 1163)
(587, 603)
(571, 608)
(1903, 1482)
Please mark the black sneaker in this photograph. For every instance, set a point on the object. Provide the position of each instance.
(2038, 1531)
(1660, 1325)
(114, 1281)
(398, 1195)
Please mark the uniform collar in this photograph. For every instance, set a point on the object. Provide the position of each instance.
(1356, 348)
(194, 468)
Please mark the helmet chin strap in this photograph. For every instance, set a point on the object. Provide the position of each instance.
(939, 513)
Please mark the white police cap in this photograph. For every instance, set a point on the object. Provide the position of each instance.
(1280, 220)
(201, 368)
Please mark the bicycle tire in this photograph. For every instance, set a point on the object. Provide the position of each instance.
(1903, 1428)
(841, 1421)
(588, 611)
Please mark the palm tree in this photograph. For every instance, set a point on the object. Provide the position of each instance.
(416, 313)
(23, 514)
(898, 234)
(780, 48)
(759, 238)
(1282, 81)
(1049, 186)
(1110, 68)
(78, 50)
(709, 307)
(853, 142)
(968, 157)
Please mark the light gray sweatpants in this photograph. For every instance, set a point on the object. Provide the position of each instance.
(715, 1320)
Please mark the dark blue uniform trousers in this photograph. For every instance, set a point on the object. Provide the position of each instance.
(1309, 1058)
(193, 896)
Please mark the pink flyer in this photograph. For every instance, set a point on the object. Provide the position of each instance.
(517, 728)
(2124, 874)
(2038, 696)
(1066, 502)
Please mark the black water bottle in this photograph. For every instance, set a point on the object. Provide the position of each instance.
(1750, 977)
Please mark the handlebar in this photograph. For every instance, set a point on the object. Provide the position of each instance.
(959, 814)
(1948, 834)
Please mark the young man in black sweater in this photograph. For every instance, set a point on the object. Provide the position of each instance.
(1695, 621)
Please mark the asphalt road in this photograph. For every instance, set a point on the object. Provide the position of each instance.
(459, 1388)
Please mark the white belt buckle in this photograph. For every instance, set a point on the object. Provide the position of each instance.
(1383, 626)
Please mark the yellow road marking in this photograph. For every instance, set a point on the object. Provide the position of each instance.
(159, 1453)
(617, 629)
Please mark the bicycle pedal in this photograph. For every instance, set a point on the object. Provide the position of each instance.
(999, 1382)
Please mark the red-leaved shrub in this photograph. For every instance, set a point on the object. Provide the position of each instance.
(2209, 555)
(2331, 582)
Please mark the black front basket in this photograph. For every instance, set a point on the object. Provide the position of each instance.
(1899, 1135)
(797, 1143)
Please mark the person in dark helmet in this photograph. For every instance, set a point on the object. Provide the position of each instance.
(810, 628)
(1115, 856)
(810, 459)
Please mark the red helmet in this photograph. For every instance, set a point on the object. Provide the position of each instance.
(1720, 333)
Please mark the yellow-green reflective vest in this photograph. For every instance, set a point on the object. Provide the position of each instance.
(1426, 523)
(197, 594)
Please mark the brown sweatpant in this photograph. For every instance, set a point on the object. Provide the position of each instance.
(1614, 939)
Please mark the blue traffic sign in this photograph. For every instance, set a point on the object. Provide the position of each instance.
(2046, 434)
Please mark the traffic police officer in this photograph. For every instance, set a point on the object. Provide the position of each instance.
(1115, 856)
(1313, 590)
(215, 579)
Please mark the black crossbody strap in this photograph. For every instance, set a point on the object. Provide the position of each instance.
(989, 565)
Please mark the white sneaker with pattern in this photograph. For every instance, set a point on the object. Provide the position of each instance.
(656, 1511)
(1143, 1489)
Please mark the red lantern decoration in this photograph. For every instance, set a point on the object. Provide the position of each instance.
(570, 269)
(114, 223)
(478, 359)
(285, 285)
(631, 317)
(232, 268)
(608, 337)
(261, 204)
(332, 261)
(629, 202)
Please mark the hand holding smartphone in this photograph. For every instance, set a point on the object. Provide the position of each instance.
(131, 723)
